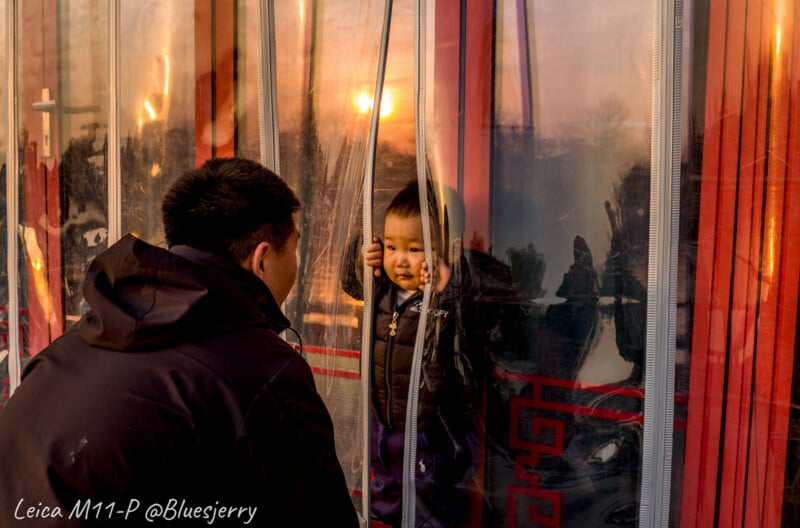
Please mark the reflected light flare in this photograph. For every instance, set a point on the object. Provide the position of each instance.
(151, 112)
(36, 259)
(166, 74)
(363, 103)
(771, 246)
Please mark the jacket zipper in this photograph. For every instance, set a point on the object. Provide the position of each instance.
(387, 371)
(398, 310)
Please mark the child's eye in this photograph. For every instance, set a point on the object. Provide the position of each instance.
(389, 247)
(416, 249)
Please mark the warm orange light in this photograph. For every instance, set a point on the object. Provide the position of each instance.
(166, 75)
(150, 111)
(771, 239)
(387, 104)
(36, 259)
(363, 103)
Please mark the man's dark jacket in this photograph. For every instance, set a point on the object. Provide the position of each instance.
(174, 386)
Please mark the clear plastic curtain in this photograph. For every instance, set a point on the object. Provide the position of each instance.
(327, 56)
(536, 139)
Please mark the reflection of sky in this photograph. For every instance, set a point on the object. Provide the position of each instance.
(349, 41)
(589, 60)
(583, 52)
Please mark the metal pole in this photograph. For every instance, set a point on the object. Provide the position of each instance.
(12, 196)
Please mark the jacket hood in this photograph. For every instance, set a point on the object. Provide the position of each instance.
(142, 297)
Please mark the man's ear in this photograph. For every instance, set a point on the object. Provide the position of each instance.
(255, 263)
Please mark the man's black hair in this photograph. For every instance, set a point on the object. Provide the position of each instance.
(227, 206)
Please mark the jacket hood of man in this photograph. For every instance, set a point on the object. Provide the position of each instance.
(143, 297)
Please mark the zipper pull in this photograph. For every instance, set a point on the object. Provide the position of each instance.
(393, 324)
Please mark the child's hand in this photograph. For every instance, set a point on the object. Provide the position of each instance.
(373, 255)
(440, 275)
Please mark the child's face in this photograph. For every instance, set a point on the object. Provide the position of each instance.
(403, 250)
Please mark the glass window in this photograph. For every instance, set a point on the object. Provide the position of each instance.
(537, 125)
(63, 93)
(562, 225)
(157, 110)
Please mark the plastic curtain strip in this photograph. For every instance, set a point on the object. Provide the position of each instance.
(114, 169)
(410, 444)
(268, 88)
(12, 196)
(366, 327)
(663, 263)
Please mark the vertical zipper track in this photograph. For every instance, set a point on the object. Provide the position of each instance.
(369, 283)
(412, 411)
(659, 400)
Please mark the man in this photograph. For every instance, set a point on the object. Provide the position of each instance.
(173, 401)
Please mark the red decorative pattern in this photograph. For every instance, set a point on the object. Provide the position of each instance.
(547, 438)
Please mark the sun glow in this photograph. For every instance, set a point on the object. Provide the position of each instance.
(363, 104)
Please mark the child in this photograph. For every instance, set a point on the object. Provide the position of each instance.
(445, 414)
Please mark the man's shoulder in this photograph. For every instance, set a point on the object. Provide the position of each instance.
(253, 354)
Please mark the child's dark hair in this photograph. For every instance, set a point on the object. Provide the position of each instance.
(405, 204)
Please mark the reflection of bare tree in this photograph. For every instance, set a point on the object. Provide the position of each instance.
(83, 177)
(150, 161)
(84, 211)
(625, 269)
(631, 216)
(393, 169)
(84, 204)
(603, 125)
(527, 270)
(568, 327)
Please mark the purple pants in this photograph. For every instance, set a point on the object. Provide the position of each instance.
(441, 468)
